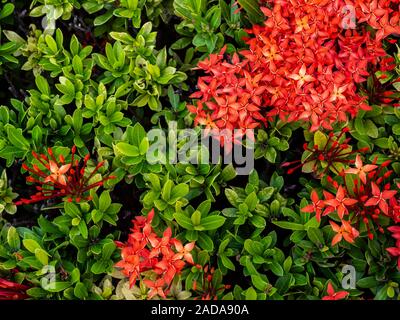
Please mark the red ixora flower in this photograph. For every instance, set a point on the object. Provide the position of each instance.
(332, 295)
(145, 252)
(361, 197)
(56, 178)
(12, 291)
(395, 251)
(297, 65)
(360, 169)
(379, 198)
(345, 231)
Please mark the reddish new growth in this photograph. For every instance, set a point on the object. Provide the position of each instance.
(146, 252)
(57, 178)
(395, 251)
(332, 155)
(361, 197)
(206, 288)
(332, 295)
(12, 290)
(302, 64)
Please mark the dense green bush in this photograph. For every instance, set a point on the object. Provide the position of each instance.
(85, 214)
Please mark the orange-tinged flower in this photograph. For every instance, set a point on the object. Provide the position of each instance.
(156, 288)
(58, 179)
(57, 173)
(145, 254)
(183, 251)
(302, 24)
(345, 231)
(302, 77)
(341, 202)
(361, 170)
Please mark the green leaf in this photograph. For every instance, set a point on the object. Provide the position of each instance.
(316, 236)
(227, 262)
(179, 191)
(371, 129)
(205, 242)
(276, 268)
(287, 264)
(13, 239)
(251, 294)
(7, 10)
(183, 221)
(289, 225)
(228, 173)
(37, 292)
(83, 229)
(320, 140)
(166, 190)
(104, 201)
(258, 222)
(127, 149)
(42, 256)
(56, 286)
(258, 282)
(31, 245)
(72, 210)
(99, 20)
(252, 8)
(99, 267)
(212, 222)
(108, 250)
(80, 291)
(368, 282)
(232, 196)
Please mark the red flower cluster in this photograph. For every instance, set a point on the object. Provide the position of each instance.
(12, 291)
(382, 15)
(57, 178)
(360, 199)
(395, 251)
(303, 64)
(145, 251)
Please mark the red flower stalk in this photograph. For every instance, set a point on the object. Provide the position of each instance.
(145, 251)
(395, 251)
(332, 295)
(58, 179)
(12, 290)
(206, 288)
(360, 199)
(332, 155)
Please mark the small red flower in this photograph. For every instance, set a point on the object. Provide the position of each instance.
(156, 288)
(316, 206)
(341, 202)
(332, 295)
(395, 251)
(345, 231)
(379, 198)
(361, 170)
